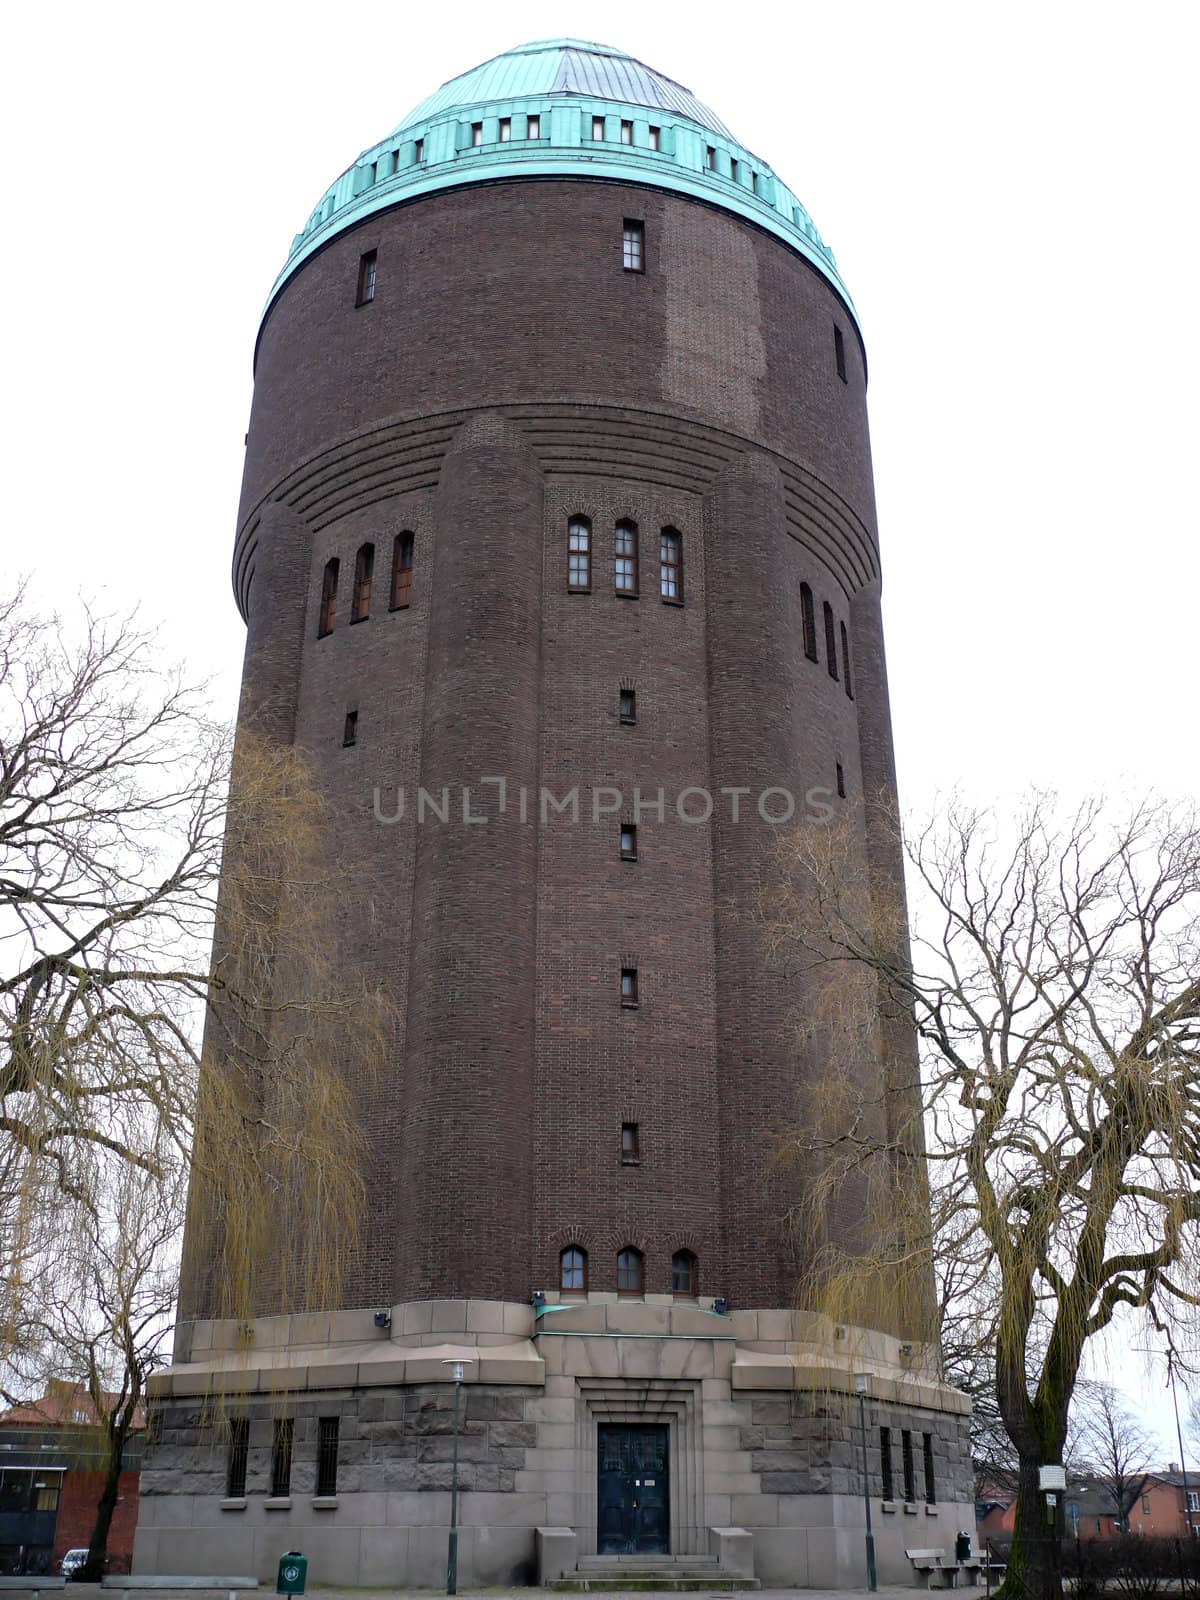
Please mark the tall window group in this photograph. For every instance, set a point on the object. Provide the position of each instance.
(399, 593)
(626, 559)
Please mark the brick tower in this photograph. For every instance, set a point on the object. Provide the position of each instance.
(557, 555)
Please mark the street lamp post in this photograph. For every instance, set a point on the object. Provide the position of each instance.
(862, 1385)
(1187, 1498)
(458, 1371)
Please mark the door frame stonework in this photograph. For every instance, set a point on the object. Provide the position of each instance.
(673, 1403)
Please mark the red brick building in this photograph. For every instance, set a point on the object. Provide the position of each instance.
(51, 1476)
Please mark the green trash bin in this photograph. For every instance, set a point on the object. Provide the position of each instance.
(962, 1546)
(293, 1573)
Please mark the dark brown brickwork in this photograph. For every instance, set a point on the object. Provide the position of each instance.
(509, 375)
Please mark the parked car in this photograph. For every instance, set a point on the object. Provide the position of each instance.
(72, 1562)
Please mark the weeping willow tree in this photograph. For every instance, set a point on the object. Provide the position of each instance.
(1048, 1170)
(128, 827)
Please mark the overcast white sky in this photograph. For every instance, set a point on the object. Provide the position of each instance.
(1011, 192)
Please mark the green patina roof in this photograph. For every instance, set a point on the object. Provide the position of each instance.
(566, 84)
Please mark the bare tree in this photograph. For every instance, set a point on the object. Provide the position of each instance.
(1114, 1444)
(119, 827)
(1054, 989)
(101, 1312)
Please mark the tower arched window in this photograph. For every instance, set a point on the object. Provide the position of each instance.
(402, 570)
(626, 570)
(364, 566)
(830, 641)
(670, 570)
(579, 555)
(631, 1272)
(329, 583)
(684, 1274)
(849, 687)
(808, 617)
(572, 1268)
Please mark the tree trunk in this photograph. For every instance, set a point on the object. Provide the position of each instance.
(93, 1568)
(1035, 1563)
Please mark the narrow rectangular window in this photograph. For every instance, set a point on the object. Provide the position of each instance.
(628, 841)
(627, 705)
(847, 685)
(841, 781)
(733, 170)
(630, 1145)
(670, 570)
(754, 182)
(327, 1455)
(839, 353)
(477, 133)
(830, 641)
(350, 729)
(505, 129)
(906, 1456)
(597, 127)
(629, 986)
(235, 1466)
(402, 570)
(579, 555)
(364, 567)
(710, 158)
(281, 1457)
(885, 1464)
(419, 150)
(329, 583)
(655, 138)
(366, 278)
(533, 128)
(633, 244)
(808, 622)
(930, 1487)
(627, 558)
(627, 133)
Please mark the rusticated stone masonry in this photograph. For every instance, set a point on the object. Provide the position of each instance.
(401, 1440)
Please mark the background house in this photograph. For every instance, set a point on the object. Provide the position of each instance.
(52, 1458)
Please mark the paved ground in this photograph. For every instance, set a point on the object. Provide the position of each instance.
(91, 1591)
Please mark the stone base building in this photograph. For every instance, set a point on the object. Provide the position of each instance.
(753, 1431)
(558, 513)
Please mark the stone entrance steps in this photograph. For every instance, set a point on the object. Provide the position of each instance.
(670, 1574)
